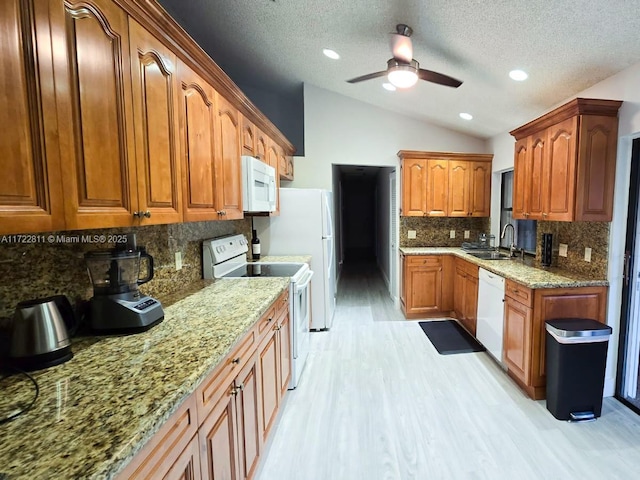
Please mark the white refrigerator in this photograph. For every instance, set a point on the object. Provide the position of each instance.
(305, 227)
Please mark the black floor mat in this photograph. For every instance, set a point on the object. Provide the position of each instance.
(449, 337)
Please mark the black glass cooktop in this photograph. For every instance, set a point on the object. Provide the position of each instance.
(264, 270)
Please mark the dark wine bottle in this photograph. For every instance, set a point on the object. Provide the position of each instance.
(255, 246)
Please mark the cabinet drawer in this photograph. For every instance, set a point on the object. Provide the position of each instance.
(467, 267)
(519, 292)
(212, 388)
(282, 303)
(159, 455)
(267, 320)
(416, 260)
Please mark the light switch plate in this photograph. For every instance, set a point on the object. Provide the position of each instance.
(563, 249)
(411, 234)
(587, 254)
(452, 234)
(178, 260)
(467, 234)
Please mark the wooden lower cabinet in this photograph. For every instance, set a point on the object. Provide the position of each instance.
(465, 288)
(218, 433)
(526, 312)
(426, 286)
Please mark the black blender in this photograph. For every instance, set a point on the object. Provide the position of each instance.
(117, 305)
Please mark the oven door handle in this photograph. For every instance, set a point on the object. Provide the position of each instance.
(301, 286)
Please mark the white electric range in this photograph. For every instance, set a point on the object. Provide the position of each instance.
(226, 258)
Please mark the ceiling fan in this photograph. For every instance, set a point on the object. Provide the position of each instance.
(402, 70)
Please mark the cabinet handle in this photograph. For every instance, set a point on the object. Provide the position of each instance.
(236, 361)
(240, 387)
(137, 214)
(544, 214)
(221, 212)
(146, 214)
(516, 291)
(277, 328)
(233, 392)
(269, 319)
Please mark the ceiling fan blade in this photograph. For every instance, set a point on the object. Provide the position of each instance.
(439, 78)
(401, 47)
(367, 77)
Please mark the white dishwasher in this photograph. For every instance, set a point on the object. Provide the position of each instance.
(490, 321)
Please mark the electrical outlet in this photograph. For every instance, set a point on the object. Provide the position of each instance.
(467, 234)
(411, 234)
(563, 250)
(587, 254)
(178, 260)
(452, 234)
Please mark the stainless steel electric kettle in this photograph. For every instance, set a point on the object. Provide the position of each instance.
(39, 333)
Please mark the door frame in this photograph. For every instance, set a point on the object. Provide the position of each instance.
(393, 236)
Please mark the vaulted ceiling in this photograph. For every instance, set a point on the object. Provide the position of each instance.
(564, 45)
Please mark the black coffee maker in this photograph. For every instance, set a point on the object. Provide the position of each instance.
(117, 305)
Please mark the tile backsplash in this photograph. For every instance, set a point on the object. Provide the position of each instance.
(578, 236)
(52, 266)
(435, 231)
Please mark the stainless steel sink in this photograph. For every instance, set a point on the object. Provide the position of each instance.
(490, 255)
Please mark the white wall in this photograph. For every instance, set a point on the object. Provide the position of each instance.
(622, 86)
(343, 131)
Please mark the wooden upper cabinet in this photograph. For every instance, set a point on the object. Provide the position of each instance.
(248, 136)
(459, 188)
(228, 164)
(30, 191)
(155, 109)
(414, 182)
(566, 171)
(262, 145)
(93, 82)
(437, 189)
(197, 145)
(444, 184)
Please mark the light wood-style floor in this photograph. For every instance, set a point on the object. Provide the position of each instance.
(376, 401)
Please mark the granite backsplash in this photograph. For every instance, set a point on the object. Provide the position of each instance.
(578, 236)
(44, 268)
(435, 231)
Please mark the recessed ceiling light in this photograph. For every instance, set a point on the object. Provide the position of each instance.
(389, 87)
(466, 116)
(331, 53)
(518, 75)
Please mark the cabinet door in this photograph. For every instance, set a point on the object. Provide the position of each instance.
(247, 418)
(284, 352)
(470, 308)
(262, 145)
(424, 285)
(248, 136)
(187, 465)
(521, 181)
(155, 108)
(269, 382)
(560, 174)
(480, 183)
(228, 166)
(596, 168)
(197, 146)
(437, 189)
(30, 191)
(459, 188)
(218, 439)
(535, 183)
(414, 182)
(517, 339)
(459, 285)
(93, 84)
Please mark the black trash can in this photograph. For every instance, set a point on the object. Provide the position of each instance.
(576, 357)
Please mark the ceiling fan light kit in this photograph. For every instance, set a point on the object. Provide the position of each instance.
(402, 70)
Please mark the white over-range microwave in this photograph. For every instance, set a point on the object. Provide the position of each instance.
(258, 186)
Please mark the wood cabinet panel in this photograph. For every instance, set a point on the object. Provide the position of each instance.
(437, 189)
(94, 93)
(284, 352)
(536, 177)
(30, 189)
(187, 465)
(520, 179)
(270, 388)
(248, 136)
(156, 127)
(459, 189)
(422, 286)
(480, 183)
(247, 410)
(519, 292)
(517, 339)
(228, 166)
(559, 181)
(414, 178)
(197, 140)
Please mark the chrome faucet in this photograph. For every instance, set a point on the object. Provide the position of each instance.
(512, 247)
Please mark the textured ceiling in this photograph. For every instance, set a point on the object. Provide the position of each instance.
(564, 45)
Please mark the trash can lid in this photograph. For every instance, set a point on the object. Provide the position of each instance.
(577, 327)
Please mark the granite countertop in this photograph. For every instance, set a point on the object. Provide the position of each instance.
(96, 411)
(515, 270)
